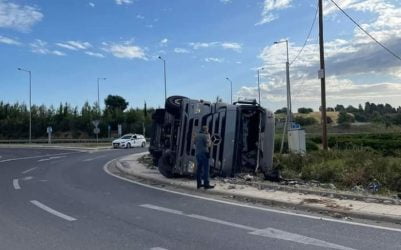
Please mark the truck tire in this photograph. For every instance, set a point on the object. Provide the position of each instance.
(173, 104)
(166, 164)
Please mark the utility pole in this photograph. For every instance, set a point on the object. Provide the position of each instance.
(322, 77)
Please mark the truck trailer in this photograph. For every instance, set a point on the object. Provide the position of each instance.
(242, 137)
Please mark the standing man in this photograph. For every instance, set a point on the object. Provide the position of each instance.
(202, 144)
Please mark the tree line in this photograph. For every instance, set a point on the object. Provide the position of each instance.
(370, 112)
(73, 122)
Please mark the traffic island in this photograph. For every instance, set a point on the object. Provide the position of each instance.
(338, 206)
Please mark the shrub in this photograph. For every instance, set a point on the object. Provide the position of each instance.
(345, 168)
(305, 121)
(305, 110)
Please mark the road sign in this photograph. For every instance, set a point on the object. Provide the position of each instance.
(96, 130)
(49, 130)
(96, 123)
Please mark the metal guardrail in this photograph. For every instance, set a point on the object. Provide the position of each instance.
(55, 141)
(58, 141)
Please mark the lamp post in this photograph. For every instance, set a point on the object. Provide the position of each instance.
(287, 66)
(288, 119)
(30, 103)
(259, 83)
(165, 80)
(98, 92)
(231, 87)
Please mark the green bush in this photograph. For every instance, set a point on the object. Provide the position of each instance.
(305, 121)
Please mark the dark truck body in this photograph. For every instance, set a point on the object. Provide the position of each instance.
(235, 130)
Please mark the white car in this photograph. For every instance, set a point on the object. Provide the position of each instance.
(129, 141)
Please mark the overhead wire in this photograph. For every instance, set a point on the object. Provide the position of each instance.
(367, 33)
(308, 36)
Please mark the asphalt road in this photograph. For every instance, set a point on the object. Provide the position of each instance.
(63, 199)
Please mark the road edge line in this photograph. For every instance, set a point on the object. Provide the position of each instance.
(302, 207)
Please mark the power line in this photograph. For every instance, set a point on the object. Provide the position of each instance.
(307, 37)
(367, 33)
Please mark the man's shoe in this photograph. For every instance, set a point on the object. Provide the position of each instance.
(199, 186)
(209, 187)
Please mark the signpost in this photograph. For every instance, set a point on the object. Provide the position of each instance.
(49, 131)
(96, 130)
(120, 130)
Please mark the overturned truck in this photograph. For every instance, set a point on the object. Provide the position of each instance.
(242, 136)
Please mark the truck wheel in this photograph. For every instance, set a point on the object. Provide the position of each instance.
(143, 144)
(173, 104)
(165, 165)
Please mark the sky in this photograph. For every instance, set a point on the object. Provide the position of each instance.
(68, 44)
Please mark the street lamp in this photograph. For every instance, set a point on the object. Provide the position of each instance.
(165, 81)
(287, 65)
(98, 92)
(30, 104)
(259, 82)
(231, 87)
(288, 120)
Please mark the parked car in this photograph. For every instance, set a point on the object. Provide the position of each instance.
(129, 141)
(242, 136)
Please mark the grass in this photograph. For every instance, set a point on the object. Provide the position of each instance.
(345, 168)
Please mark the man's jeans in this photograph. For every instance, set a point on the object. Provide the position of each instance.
(202, 169)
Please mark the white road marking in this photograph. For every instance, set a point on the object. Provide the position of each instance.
(35, 157)
(52, 211)
(249, 206)
(268, 232)
(16, 184)
(283, 235)
(95, 158)
(27, 178)
(52, 158)
(158, 248)
(57, 157)
(46, 159)
(29, 170)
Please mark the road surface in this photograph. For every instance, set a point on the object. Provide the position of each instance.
(63, 199)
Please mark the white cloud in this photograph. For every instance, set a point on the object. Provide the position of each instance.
(140, 17)
(225, 45)
(125, 50)
(164, 42)
(74, 45)
(94, 54)
(91, 4)
(9, 41)
(181, 51)
(121, 2)
(226, 1)
(41, 47)
(234, 46)
(357, 69)
(18, 17)
(269, 7)
(214, 59)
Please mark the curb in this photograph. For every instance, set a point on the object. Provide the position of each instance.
(298, 206)
(324, 193)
